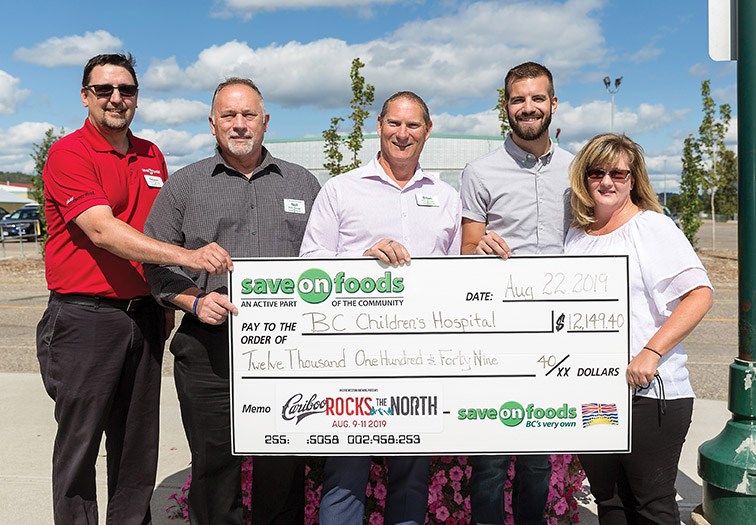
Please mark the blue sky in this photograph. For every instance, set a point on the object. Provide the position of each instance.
(453, 53)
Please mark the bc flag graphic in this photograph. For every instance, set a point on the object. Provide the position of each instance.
(599, 414)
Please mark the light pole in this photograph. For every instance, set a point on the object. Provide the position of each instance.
(727, 463)
(612, 92)
(664, 167)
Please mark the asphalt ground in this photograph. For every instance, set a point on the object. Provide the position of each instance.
(711, 347)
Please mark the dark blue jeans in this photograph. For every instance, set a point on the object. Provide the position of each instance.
(529, 492)
(345, 479)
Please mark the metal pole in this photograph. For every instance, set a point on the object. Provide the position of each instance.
(611, 125)
(727, 463)
(664, 167)
(747, 178)
(612, 92)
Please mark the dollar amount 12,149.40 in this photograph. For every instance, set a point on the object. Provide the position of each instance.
(583, 321)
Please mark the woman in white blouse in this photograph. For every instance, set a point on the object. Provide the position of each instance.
(616, 211)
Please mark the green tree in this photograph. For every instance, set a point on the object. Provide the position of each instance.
(689, 204)
(15, 176)
(726, 199)
(673, 202)
(39, 155)
(726, 196)
(503, 117)
(711, 149)
(332, 148)
(363, 95)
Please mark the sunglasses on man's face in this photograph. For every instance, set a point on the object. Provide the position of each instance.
(616, 174)
(106, 90)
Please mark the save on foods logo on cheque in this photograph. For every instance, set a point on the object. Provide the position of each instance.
(315, 285)
(445, 355)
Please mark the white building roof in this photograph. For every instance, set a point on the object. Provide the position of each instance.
(444, 155)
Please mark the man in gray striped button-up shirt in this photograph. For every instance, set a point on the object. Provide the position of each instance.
(254, 205)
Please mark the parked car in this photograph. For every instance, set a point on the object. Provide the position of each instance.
(672, 216)
(21, 224)
(3, 212)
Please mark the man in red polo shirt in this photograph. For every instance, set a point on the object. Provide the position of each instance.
(100, 341)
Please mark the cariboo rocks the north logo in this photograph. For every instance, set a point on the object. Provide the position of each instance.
(298, 408)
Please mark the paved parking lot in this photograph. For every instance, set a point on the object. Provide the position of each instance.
(711, 347)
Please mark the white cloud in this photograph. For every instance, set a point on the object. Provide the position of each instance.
(726, 94)
(675, 147)
(664, 163)
(171, 112)
(646, 53)
(467, 52)
(10, 94)
(248, 8)
(17, 144)
(731, 137)
(180, 147)
(73, 50)
(579, 123)
(699, 70)
(664, 170)
(483, 123)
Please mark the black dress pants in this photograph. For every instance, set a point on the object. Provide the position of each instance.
(201, 371)
(639, 488)
(101, 366)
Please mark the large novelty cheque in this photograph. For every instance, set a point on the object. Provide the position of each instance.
(443, 356)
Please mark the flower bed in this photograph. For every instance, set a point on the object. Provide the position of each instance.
(448, 491)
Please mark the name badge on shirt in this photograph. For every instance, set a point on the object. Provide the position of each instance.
(294, 206)
(427, 200)
(153, 181)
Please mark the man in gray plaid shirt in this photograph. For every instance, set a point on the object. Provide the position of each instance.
(254, 205)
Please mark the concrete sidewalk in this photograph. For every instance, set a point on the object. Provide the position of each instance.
(28, 430)
(26, 437)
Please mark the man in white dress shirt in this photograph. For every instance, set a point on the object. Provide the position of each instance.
(389, 209)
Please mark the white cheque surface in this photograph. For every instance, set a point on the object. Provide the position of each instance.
(444, 356)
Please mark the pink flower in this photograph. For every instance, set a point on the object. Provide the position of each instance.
(380, 492)
(442, 513)
(439, 477)
(455, 473)
(448, 491)
(311, 513)
(560, 507)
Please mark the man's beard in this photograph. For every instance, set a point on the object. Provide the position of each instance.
(530, 133)
(113, 123)
(242, 149)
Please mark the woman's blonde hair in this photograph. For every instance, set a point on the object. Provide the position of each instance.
(606, 150)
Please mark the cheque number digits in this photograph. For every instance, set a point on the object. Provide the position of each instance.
(322, 439)
(276, 439)
(383, 439)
